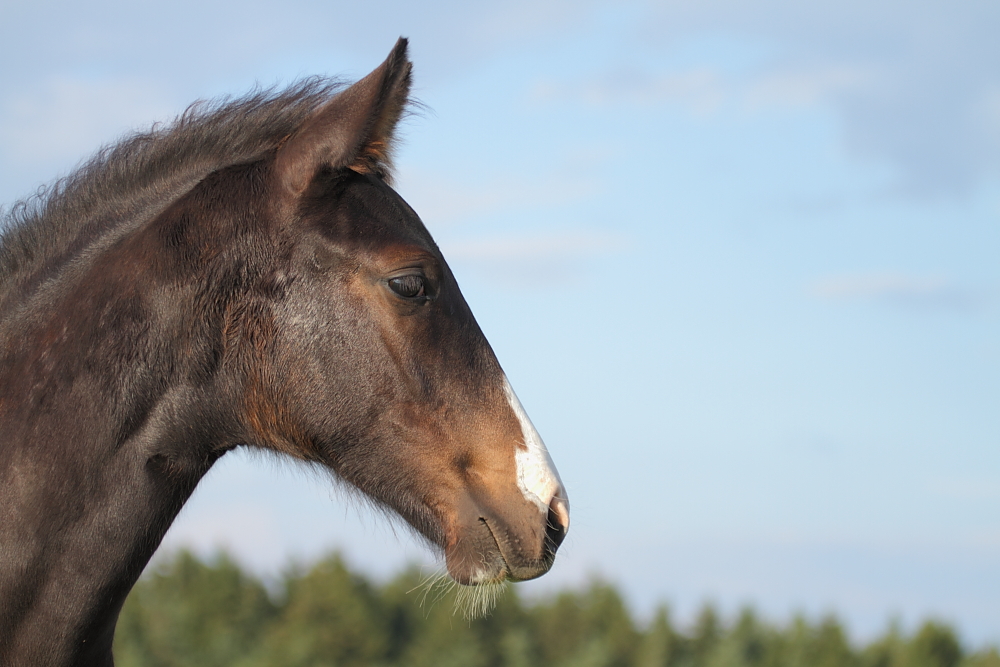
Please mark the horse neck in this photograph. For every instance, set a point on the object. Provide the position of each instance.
(104, 433)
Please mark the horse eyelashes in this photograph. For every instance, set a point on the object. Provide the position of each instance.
(409, 287)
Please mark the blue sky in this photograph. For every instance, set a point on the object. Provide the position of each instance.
(739, 261)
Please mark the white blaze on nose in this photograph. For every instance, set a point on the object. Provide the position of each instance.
(536, 474)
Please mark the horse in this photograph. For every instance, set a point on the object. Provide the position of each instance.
(243, 277)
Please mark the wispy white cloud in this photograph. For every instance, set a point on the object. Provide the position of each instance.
(917, 87)
(705, 90)
(928, 71)
(535, 247)
(966, 488)
(804, 87)
(987, 112)
(450, 198)
(533, 260)
(900, 289)
(59, 121)
(700, 90)
(878, 285)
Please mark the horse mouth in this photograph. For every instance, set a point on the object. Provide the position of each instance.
(504, 573)
(476, 556)
(496, 564)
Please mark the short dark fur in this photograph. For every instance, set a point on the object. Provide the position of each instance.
(225, 282)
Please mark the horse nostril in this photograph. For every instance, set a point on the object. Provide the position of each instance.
(557, 524)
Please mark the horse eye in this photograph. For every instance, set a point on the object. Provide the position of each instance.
(409, 287)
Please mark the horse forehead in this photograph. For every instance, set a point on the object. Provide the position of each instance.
(390, 207)
(369, 210)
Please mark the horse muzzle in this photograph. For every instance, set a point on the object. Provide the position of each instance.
(515, 541)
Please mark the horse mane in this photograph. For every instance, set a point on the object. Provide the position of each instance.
(129, 182)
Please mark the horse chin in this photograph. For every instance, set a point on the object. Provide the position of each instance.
(475, 558)
(479, 558)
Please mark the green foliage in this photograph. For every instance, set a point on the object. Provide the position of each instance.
(196, 613)
(660, 645)
(193, 613)
(588, 628)
(331, 617)
(824, 645)
(934, 645)
(987, 658)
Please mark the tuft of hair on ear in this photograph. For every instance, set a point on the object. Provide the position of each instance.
(354, 130)
(375, 154)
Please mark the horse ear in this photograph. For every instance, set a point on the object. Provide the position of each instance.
(353, 130)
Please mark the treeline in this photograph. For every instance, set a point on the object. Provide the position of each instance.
(195, 613)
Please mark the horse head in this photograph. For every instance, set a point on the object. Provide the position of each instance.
(360, 353)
